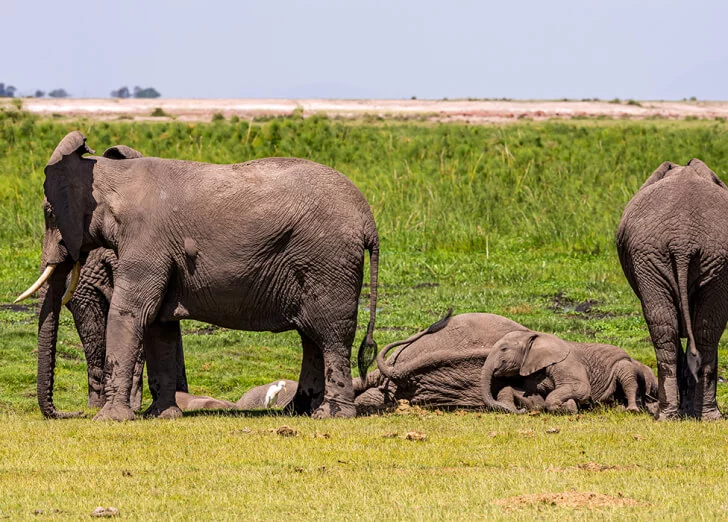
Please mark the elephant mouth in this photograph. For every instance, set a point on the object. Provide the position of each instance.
(45, 276)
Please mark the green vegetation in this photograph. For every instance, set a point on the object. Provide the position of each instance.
(158, 111)
(517, 220)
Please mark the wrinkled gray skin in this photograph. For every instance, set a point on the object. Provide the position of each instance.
(187, 401)
(255, 398)
(437, 367)
(566, 374)
(673, 246)
(89, 307)
(268, 245)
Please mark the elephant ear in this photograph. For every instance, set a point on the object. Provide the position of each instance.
(704, 172)
(121, 152)
(659, 173)
(544, 350)
(67, 188)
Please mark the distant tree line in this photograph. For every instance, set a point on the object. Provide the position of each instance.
(10, 91)
(138, 92)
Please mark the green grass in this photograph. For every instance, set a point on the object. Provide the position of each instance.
(517, 220)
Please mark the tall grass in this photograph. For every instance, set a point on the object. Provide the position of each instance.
(447, 186)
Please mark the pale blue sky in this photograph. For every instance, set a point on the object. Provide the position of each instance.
(380, 49)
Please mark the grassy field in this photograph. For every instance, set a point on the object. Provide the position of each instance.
(517, 220)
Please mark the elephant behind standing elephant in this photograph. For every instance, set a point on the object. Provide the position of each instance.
(89, 306)
(273, 244)
(673, 246)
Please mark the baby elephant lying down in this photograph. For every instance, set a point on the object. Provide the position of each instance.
(480, 360)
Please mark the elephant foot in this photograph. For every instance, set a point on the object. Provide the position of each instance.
(711, 415)
(632, 408)
(161, 412)
(665, 416)
(568, 407)
(337, 409)
(115, 412)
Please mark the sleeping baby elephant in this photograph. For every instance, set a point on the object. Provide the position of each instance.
(558, 376)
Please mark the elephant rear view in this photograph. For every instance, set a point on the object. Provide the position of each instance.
(673, 247)
(269, 245)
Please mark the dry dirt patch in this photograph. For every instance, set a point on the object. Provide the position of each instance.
(569, 499)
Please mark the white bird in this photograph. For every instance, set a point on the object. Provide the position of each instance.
(271, 396)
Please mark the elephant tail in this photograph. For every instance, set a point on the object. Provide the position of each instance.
(386, 368)
(681, 266)
(368, 347)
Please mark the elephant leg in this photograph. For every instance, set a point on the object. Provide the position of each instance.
(181, 371)
(161, 341)
(711, 315)
(627, 380)
(339, 391)
(89, 311)
(310, 391)
(137, 386)
(124, 336)
(565, 398)
(662, 321)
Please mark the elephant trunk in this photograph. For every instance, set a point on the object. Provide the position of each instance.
(49, 306)
(486, 386)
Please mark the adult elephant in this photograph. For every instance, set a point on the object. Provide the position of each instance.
(673, 247)
(439, 366)
(565, 374)
(273, 244)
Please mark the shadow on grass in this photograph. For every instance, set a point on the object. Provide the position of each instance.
(239, 413)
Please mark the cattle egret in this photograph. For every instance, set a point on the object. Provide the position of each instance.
(271, 397)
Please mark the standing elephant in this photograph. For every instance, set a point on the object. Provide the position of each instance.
(273, 244)
(673, 247)
(565, 374)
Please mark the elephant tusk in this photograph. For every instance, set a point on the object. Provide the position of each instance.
(35, 286)
(75, 274)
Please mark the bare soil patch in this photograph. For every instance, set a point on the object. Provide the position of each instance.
(475, 111)
(569, 499)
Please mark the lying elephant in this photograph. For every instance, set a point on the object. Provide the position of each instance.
(536, 366)
(277, 394)
(438, 367)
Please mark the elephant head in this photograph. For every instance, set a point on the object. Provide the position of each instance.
(519, 354)
(69, 207)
